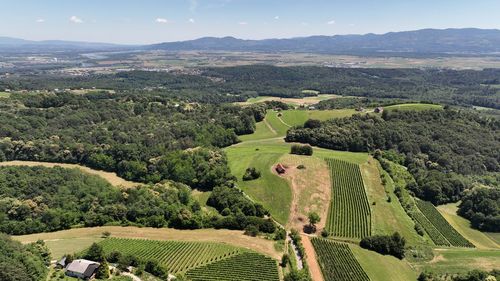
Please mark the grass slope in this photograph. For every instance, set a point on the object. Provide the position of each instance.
(271, 190)
(387, 217)
(461, 261)
(383, 268)
(462, 225)
(413, 106)
(4, 95)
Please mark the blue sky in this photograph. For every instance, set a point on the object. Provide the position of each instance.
(151, 21)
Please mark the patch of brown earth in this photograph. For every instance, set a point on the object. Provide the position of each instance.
(311, 260)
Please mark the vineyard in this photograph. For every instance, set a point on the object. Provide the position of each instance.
(337, 261)
(175, 255)
(244, 267)
(436, 219)
(434, 234)
(349, 212)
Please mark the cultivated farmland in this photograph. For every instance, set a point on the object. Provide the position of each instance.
(349, 213)
(177, 256)
(440, 223)
(433, 233)
(244, 267)
(337, 261)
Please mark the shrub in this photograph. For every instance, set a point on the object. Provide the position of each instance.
(301, 167)
(251, 230)
(156, 269)
(393, 245)
(324, 233)
(301, 149)
(251, 174)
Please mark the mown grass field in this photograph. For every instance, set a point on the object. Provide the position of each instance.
(462, 225)
(461, 261)
(413, 106)
(78, 239)
(383, 268)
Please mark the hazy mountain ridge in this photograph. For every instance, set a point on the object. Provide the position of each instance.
(425, 41)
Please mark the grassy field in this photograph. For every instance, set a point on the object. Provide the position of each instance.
(271, 190)
(110, 177)
(462, 225)
(387, 217)
(291, 101)
(78, 239)
(413, 106)
(461, 260)
(4, 95)
(383, 268)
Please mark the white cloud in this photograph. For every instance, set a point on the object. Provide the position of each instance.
(277, 17)
(161, 20)
(330, 22)
(243, 23)
(191, 20)
(75, 19)
(40, 20)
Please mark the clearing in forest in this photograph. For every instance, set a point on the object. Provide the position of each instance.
(112, 178)
(349, 214)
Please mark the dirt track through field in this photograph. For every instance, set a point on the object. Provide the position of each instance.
(311, 260)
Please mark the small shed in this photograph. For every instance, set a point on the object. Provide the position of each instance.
(61, 263)
(280, 169)
(379, 109)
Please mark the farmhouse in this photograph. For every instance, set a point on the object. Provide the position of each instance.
(83, 269)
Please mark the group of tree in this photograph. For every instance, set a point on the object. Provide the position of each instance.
(23, 262)
(251, 173)
(393, 245)
(482, 207)
(140, 137)
(301, 149)
(39, 199)
(473, 275)
(440, 147)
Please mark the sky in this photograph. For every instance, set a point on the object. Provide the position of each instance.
(154, 21)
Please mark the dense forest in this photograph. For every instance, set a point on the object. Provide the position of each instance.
(142, 138)
(38, 199)
(482, 207)
(228, 84)
(441, 148)
(22, 262)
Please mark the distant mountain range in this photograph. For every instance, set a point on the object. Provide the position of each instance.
(9, 44)
(469, 41)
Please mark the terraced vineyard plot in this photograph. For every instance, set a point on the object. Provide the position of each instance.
(440, 223)
(349, 214)
(434, 234)
(244, 267)
(176, 256)
(337, 261)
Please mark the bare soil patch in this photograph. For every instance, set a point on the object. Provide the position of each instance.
(310, 186)
(311, 260)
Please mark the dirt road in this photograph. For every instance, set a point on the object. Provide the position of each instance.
(311, 260)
